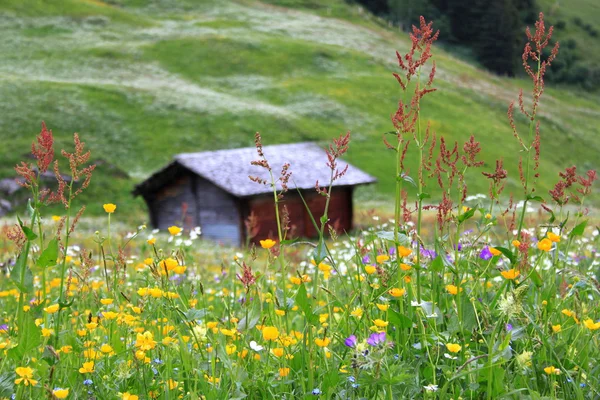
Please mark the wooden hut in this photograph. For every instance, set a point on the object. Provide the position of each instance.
(211, 189)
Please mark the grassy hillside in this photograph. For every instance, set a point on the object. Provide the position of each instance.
(141, 82)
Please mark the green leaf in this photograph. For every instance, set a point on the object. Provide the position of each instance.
(466, 215)
(509, 254)
(30, 337)
(399, 320)
(192, 314)
(320, 252)
(6, 384)
(408, 179)
(49, 255)
(29, 234)
(21, 274)
(50, 355)
(423, 196)
(578, 230)
(290, 241)
(304, 305)
(437, 264)
(535, 198)
(536, 279)
(389, 235)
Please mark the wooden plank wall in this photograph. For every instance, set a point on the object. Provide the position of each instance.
(218, 212)
(340, 212)
(167, 204)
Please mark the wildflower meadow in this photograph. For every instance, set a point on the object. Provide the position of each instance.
(457, 295)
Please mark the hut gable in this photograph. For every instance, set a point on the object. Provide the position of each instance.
(212, 189)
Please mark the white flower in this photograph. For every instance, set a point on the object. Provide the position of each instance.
(431, 388)
(255, 346)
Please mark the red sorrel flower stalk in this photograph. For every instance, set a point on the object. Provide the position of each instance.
(283, 180)
(407, 121)
(532, 53)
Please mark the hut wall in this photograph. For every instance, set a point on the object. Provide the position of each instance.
(340, 212)
(217, 212)
(168, 204)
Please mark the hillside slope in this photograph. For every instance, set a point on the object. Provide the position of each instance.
(141, 83)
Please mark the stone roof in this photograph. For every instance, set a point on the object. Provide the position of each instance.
(230, 169)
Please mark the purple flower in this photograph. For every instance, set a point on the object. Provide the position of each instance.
(392, 251)
(509, 327)
(485, 254)
(365, 259)
(4, 328)
(350, 341)
(376, 339)
(428, 253)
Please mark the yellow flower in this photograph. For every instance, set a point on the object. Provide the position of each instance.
(110, 315)
(109, 208)
(106, 348)
(174, 230)
(60, 393)
(283, 372)
(369, 269)
(453, 289)
(553, 237)
(516, 243)
(129, 396)
(88, 368)
(568, 313)
(453, 347)
(281, 313)
(589, 323)
(278, 351)
(380, 323)
(383, 307)
(382, 258)
(172, 384)
(270, 333)
(510, 274)
(25, 376)
(404, 251)
(405, 267)
(396, 292)
(267, 243)
(145, 341)
(322, 342)
(551, 370)
(66, 349)
(106, 302)
(545, 244)
(151, 241)
(55, 218)
(230, 349)
(295, 280)
(52, 309)
(47, 332)
(556, 328)
(357, 312)
(494, 251)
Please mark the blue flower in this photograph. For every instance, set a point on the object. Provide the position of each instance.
(350, 341)
(376, 338)
(88, 382)
(485, 254)
(316, 391)
(351, 379)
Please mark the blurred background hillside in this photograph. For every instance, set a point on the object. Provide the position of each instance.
(142, 80)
